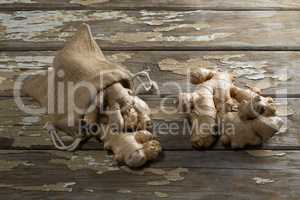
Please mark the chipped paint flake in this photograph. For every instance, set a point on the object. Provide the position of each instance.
(158, 183)
(196, 38)
(88, 2)
(158, 37)
(2, 79)
(120, 57)
(262, 181)
(89, 190)
(155, 171)
(169, 176)
(58, 187)
(175, 175)
(25, 62)
(26, 139)
(255, 72)
(254, 75)
(30, 120)
(132, 171)
(48, 25)
(154, 22)
(6, 165)
(182, 68)
(135, 37)
(93, 162)
(124, 191)
(265, 153)
(161, 194)
(151, 20)
(16, 1)
(166, 176)
(263, 83)
(284, 110)
(197, 27)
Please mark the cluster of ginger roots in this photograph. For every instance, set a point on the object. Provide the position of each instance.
(126, 118)
(220, 110)
(217, 109)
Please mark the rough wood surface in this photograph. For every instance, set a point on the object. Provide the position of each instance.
(179, 175)
(153, 5)
(152, 30)
(277, 73)
(163, 29)
(24, 131)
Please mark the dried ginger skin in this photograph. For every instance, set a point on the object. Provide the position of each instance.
(247, 118)
(137, 147)
(81, 60)
(134, 148)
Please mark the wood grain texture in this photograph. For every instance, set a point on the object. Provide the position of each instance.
(276, 73)
(204, 175)
(144, 4)
(24, 131)
(151, 5)
(154, 30)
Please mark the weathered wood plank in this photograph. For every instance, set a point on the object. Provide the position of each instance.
(92, 175)
(275, 72)
(171, 159)
(153, 5)
(153, 30)
(19, 130)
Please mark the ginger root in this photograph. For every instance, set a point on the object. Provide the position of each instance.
(134, 149)
(240, 117)
(130, 112)
(124, 122)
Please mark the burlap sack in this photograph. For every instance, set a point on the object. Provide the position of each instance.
(80, 60)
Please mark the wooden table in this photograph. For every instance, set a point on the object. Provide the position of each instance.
(257, 40)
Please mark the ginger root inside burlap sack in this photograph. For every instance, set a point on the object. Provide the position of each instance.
(87, 95)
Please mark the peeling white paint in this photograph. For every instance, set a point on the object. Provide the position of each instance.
(88, 2)
(2, 79)
(184, 66)
(7, 165)
(16, 1)
(254, 71)
(89, 190)
(47, 25)
(158, 37)
(25, 62)
(161, 194)
(93, 162)
(58, 187)
(197, 27)
(254, 75)
(134, 37)
(196, 38)
(158, 183)
(120, 57)
(262, 181)
(262, 84)
(265, 153)
(30, 120)
(124, 191)
(284, 110)
(156, 22)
